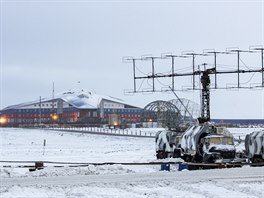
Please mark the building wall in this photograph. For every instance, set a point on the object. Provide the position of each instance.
(38, 115)
(67, 114)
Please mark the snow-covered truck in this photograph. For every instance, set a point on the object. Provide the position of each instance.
(207, 143)
(168, 144)
(254, 146)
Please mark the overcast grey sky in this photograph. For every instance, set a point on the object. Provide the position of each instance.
(69, 41)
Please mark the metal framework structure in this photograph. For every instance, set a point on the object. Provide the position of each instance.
(164, 113)
(184, 105)
(202, 71)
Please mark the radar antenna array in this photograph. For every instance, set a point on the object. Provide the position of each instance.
(204, 75)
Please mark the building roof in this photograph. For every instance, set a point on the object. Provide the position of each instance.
(86, 99)
(80, 99)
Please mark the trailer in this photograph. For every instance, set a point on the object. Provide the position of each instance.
(254, 146)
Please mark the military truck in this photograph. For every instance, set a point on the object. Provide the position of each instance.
(207, 143)
(254, 146)
(168, 144)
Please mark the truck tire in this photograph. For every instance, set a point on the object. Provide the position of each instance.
(257, 159)
(160, 155)
(176, 153)
(208, 158)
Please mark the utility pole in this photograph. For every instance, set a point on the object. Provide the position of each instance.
(53, 98)
(39, 110)
(53, 112)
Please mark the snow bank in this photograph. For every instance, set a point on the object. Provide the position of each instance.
(69, 171)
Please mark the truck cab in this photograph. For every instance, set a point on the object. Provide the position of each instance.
(218, 148)
(207, 143)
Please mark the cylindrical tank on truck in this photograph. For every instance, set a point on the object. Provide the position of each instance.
(168, 144)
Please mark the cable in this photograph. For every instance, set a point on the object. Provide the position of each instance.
(244, 63)
(249, 79)
(141, 84)
(162, 83)
(140, 71)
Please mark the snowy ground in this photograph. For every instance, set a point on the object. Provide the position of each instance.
(110, 180)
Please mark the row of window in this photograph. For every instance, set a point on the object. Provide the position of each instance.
(36, 110)
(112, 105)
(33, 110)
(36, 120)
(127, 116)
(124, 110)
(28, 115)
(39, 114)
(94, 114)
(45, 104)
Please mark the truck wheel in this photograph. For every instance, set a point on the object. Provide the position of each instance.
(187, 158)
(176, 153)
(208, 158)
(160, 155)
(257, 159)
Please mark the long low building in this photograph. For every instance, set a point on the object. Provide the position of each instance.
(79, 107)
